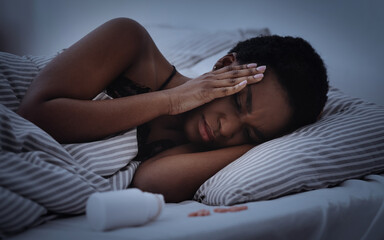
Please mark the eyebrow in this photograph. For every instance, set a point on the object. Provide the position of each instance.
(248, 104)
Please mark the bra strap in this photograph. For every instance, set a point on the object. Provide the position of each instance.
(168, 79)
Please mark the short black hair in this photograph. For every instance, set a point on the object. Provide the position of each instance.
(299, 69)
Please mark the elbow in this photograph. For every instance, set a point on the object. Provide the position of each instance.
(29, 111)
(147, 181)
(36, 113)
(33, 109)
(151, 180)
(143, 181)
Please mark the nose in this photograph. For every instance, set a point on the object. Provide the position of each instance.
(229, 126)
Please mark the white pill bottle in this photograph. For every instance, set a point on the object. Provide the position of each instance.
(123, 208)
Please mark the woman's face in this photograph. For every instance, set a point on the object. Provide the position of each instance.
(258, 113)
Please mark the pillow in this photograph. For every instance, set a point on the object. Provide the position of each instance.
(185, 47)
(347, 142)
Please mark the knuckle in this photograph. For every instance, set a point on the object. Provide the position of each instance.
(225, 91)
(235, 72)
(207, 84)
(208, 75)
(232, 80)
(205, 76)
(229, 68)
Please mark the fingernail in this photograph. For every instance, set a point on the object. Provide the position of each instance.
(258, 76)
(243, 83)
(261, 68)
(252, 65)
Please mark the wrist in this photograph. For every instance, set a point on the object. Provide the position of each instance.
(167, 105)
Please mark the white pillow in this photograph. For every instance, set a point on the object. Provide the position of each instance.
(185, 47)
(347, 142)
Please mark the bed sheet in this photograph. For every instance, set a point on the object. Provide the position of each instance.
(353, 210)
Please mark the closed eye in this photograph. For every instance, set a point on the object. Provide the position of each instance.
(247, 136)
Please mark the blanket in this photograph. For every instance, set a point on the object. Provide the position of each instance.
(41, 179)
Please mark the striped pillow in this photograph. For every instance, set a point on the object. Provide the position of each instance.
(347, 142)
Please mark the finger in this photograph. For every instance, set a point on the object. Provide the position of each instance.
(234, 68)
(227, 91)
(227, 82)
(236, 73)
(252, 79)
(234, 81)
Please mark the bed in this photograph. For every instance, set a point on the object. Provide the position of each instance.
(323, 181)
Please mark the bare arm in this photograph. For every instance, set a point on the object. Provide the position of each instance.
(59, 100)
(179, 176)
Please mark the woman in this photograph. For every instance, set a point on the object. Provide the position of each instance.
(197, 126)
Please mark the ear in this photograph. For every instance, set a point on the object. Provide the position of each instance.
(225, 61)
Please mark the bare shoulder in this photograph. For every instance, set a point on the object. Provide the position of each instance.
(123, 22)
(123, 29)
(92, 63)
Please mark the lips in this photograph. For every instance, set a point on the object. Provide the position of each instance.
(205, 131)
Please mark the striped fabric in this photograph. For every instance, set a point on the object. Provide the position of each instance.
(346, 143)
(110, 156)
(39, 178)
(16, 73)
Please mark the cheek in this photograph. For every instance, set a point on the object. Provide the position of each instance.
(237, 139)
(212, 113)
(190, 125)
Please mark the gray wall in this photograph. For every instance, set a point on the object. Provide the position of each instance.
(347, 34)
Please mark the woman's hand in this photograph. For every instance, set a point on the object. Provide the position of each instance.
(215, 84)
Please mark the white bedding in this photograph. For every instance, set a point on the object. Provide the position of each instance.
(354, 210)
